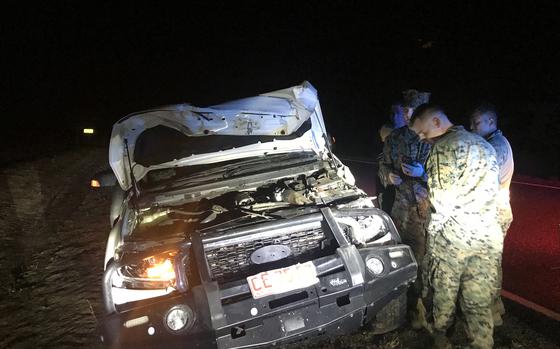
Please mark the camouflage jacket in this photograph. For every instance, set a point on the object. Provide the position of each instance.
(463, 184)
(402, 143)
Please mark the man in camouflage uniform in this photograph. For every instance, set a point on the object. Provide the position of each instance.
(397, 119)
(386, 193)
(484, 122)
(464, 240)
(402, 166)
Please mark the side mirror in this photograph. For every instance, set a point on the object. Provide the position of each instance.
(102, 179)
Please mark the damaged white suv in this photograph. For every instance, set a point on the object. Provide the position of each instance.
(234, 226)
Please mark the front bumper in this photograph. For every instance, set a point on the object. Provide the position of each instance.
(226, 316)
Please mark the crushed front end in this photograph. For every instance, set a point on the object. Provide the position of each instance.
(214, 306)
(235, 226)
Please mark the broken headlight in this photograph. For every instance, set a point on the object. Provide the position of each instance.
(153, 272)
(364, 230)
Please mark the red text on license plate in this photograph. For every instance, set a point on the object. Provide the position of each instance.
(282, 280)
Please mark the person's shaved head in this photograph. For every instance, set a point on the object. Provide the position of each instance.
(429, 121)
(484, 120)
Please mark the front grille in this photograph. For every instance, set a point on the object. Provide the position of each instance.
(233, 262)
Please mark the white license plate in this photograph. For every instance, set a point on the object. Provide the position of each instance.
(282, 280)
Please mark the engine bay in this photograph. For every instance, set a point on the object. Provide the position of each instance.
(281, 199)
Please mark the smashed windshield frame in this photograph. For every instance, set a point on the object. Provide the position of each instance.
(162, 144)
(170, 178)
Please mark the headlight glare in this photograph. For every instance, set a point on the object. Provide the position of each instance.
(148, 273)
(161, 271)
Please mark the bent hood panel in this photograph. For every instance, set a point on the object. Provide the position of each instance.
(275, 117)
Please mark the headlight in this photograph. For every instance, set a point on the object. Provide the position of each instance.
(153, 272)
(363, 230)
(375, 265)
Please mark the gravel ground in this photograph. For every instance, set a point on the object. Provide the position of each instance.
(53, 232)
(53, 242)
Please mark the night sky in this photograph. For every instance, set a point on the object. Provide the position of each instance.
(67, 65)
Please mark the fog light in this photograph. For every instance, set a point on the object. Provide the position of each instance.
(136, 322)
(374, 265)
(179, 318)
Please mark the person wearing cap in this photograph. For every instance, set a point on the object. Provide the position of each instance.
(484, 122)
(402, 166)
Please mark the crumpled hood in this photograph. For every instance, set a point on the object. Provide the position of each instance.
(274, 116)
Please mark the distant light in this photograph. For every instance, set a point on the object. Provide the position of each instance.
(88, 131)
(95, 183)
(429, 44)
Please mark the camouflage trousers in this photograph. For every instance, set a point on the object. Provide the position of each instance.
(505, 218)
(498, 309)
(469, 277)
(409, 218)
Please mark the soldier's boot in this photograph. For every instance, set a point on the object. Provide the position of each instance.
(415, 320)
(498, 310)
(441, 341)
(418, 316)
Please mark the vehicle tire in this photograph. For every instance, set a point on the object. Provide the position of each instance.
(391, 316)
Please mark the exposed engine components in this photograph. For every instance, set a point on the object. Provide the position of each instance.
(364, 229)
(216, 210)
(243, 199)
(318, 188)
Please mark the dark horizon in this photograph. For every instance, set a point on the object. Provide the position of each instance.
(71, 65)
